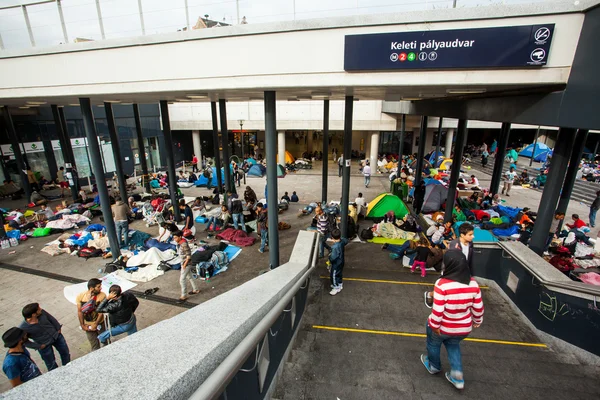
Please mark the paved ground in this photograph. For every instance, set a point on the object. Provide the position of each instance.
(20, 288)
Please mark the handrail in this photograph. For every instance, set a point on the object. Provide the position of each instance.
(218, 380)
(573, 286)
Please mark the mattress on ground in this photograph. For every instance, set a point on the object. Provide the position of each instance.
(382, 240)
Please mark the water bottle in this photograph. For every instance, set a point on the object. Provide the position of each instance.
(103, 231)
(206, 274)
(5, 244)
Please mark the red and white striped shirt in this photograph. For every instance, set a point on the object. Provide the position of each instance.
(456, 307)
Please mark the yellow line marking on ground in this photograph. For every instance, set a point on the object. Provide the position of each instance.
(422, 335)
(388, 281)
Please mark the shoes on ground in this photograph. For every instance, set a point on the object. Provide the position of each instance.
(459, 384)
(335, 290)
(430, 369)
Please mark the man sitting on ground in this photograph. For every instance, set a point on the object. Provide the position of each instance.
(577, 222)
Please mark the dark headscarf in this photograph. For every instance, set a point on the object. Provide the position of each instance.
(456, 267)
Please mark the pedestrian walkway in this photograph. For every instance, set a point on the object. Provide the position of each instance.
(365, 343)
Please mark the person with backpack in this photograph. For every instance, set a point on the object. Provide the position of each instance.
(18, 365)
(121, 212)
(262, 223)
(90, 320)
(340, 162)
(208, 173)
(121, 313)
(45, 331)
(324, 228)
(337, 261)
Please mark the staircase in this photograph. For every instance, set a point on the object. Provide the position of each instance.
(583, 191)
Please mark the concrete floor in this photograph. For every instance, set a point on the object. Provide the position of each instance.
(19, 288)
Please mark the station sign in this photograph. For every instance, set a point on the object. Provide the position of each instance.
(55, 144)
(500, 47)
(7, 149)
(78, 142)
(33, 147)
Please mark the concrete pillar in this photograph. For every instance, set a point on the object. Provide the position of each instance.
(349, 107)
(421, 152)
(280, 148)
(374, 151)
(325, 177)
(577, 153)
(225, 146)
(449, 138)
(98, 169)
(402, 135)
(368, 147)
(166, 122)
(437, 144)
(65, 147)
(499, 160)
(217, 157)
(14, 141)
(272, 193)
(197, 145)
(142, 150)
(116, 148)
(551, 193)
(309, 142)
(461, 140)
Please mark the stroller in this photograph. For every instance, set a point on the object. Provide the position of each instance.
(152, 216)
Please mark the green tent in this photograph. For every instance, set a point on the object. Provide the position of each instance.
(384, 203)
(280, 171)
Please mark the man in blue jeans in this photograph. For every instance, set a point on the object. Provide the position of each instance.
(45, 331)
(120, 308)
(120, 212)
(594, 209)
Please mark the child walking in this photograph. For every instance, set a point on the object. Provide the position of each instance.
(423, 251)
(336, 258)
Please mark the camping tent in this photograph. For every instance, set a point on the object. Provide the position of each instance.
(384, 203)
(539, 149)
(257, 170)
(251, 161)
(445, 165)
(431, 157)
(543, 156)
(289, 158)
(202, 180)
(280, 171)
(435, 196)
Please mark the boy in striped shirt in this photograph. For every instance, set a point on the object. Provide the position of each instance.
(457, 308)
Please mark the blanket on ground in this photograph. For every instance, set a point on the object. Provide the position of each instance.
(382, 240)
(159, 245)
(148, 261)
(236, 236)
(390, 231)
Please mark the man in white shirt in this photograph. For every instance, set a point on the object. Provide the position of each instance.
(474, 182)
(510, 176)
(367, 173)
(361, 204)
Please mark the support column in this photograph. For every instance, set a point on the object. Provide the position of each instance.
(94, 149)
(349, 108)
(65, 147)
(461, 140)
(551, 193)
(225, 145)
(421, 152)
(281, 148)
(439, 140)
(142, 150)
(309, 142)
(272, 192)
(499, 160)
(197, 146)
(325, 151)
(374, 151)
(595, 150)
(166, 123)
(449, 138)
(535, 140)
(576, 154)
(215, 124)
(401, 144)
(116, 148)
(14, 141)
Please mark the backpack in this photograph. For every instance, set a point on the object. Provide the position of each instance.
(331, 222)
(202, 269)
(206, 173)
(164, 266)
(366, 234)
(90, 306)
(193, 178)
(114, 266)
(219, 259)
(88, 252)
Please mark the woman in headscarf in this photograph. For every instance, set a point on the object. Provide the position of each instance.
(570, 242)
(457, 308)
(250, 196)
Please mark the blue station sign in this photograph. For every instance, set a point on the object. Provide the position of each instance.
(502, 47)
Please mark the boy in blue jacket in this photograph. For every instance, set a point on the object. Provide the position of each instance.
(336, 259)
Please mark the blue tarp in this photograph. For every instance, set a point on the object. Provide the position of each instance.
(159, 245)
(539, 148)
(432, 157)
(94, 227)
(480, 235)
(203, 181)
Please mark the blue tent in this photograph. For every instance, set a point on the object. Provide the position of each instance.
(539, 148)
(251, 161)
(543, 156)
(431, 157)
(258, 170)
(203, 181)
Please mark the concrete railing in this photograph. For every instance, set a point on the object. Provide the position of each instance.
(200, 350)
